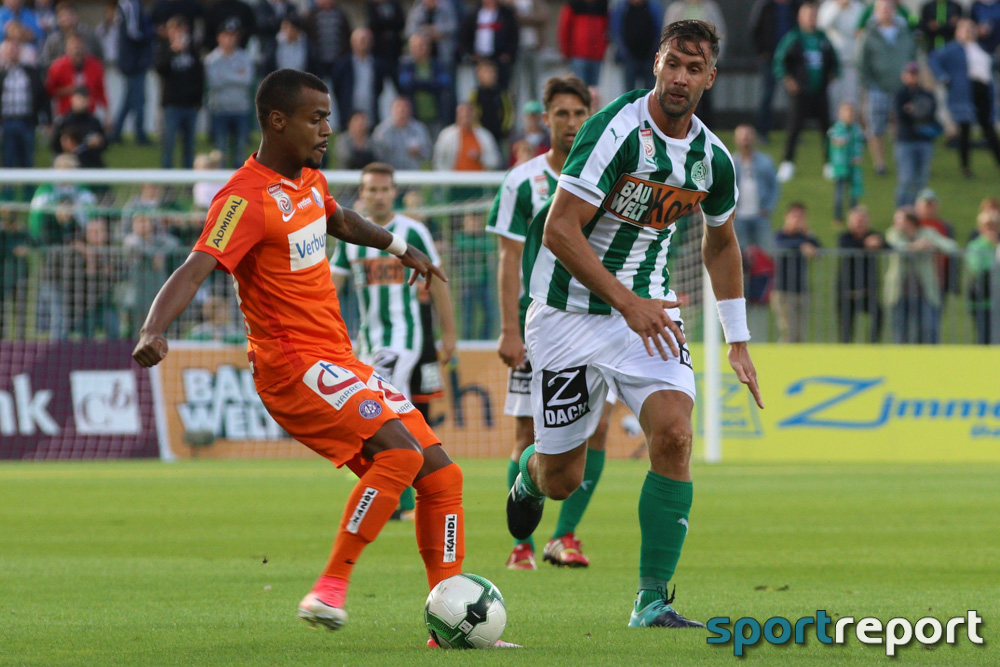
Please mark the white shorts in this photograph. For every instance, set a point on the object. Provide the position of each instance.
(518, 403)
(396, 366)
(577, 357)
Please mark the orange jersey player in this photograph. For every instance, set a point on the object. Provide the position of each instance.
(268, 227)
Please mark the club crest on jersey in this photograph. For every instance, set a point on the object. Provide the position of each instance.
(369, 409)
(650, 204)
(646, 135)
(283, 200)
(541, 186)
(699, 172)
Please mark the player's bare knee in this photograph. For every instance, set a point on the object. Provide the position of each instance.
(391, 435)
(562, 487)
(671, 443)
(435, 458)
(559, 484)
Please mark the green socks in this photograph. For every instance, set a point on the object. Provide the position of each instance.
(574, 506)
(408, 500)
(526, 481)
(512, 469)
(649, 592)
(664, 505)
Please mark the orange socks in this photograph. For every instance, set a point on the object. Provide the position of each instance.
(440, 523)
(369, 507)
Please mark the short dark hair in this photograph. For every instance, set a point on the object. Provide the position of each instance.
(566, 85)
(688, 36)
(379, 168)
(797, 205)
(279, 91)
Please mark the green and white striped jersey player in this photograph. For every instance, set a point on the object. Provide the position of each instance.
(390, 310)
(596, 266)
(392, 336)
(526, 188)
(522, 195)
(642, 182)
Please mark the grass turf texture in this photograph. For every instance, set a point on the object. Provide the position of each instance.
(142, 563)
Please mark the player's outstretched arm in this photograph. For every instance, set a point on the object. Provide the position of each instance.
(348, 225)
(171, 300)
(721, 253)
(563, 235)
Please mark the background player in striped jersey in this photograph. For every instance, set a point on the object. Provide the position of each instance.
(596, 267)
(524, 191)
(268, 227)
(394, 335)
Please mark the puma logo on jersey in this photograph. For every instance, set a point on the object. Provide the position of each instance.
(615, 134)
(307, 246)
(650, 204)
(228, 218)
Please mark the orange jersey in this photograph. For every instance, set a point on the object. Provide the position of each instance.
(269, 232)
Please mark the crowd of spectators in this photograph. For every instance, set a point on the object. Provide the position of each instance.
(855, 71)
(860, 70)
(904, 276)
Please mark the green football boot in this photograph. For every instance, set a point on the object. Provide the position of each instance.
(659, 614)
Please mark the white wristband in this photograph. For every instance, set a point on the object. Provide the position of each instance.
(733, 315)
(397, 247)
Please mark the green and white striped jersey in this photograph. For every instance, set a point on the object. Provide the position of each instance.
(522, 195)
(390, 311)
(524, 191)
(642, 182)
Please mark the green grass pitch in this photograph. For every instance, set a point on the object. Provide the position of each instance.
(203, 563)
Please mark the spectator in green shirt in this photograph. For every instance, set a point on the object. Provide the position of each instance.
(982, 262)
(806, 62)
(847, 146)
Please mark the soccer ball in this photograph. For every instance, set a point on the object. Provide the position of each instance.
(465, 611)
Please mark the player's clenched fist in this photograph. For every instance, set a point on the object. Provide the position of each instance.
(649, 319)
(150, 350)
(421, 265)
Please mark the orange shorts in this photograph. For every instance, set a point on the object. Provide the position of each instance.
(335, 406)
